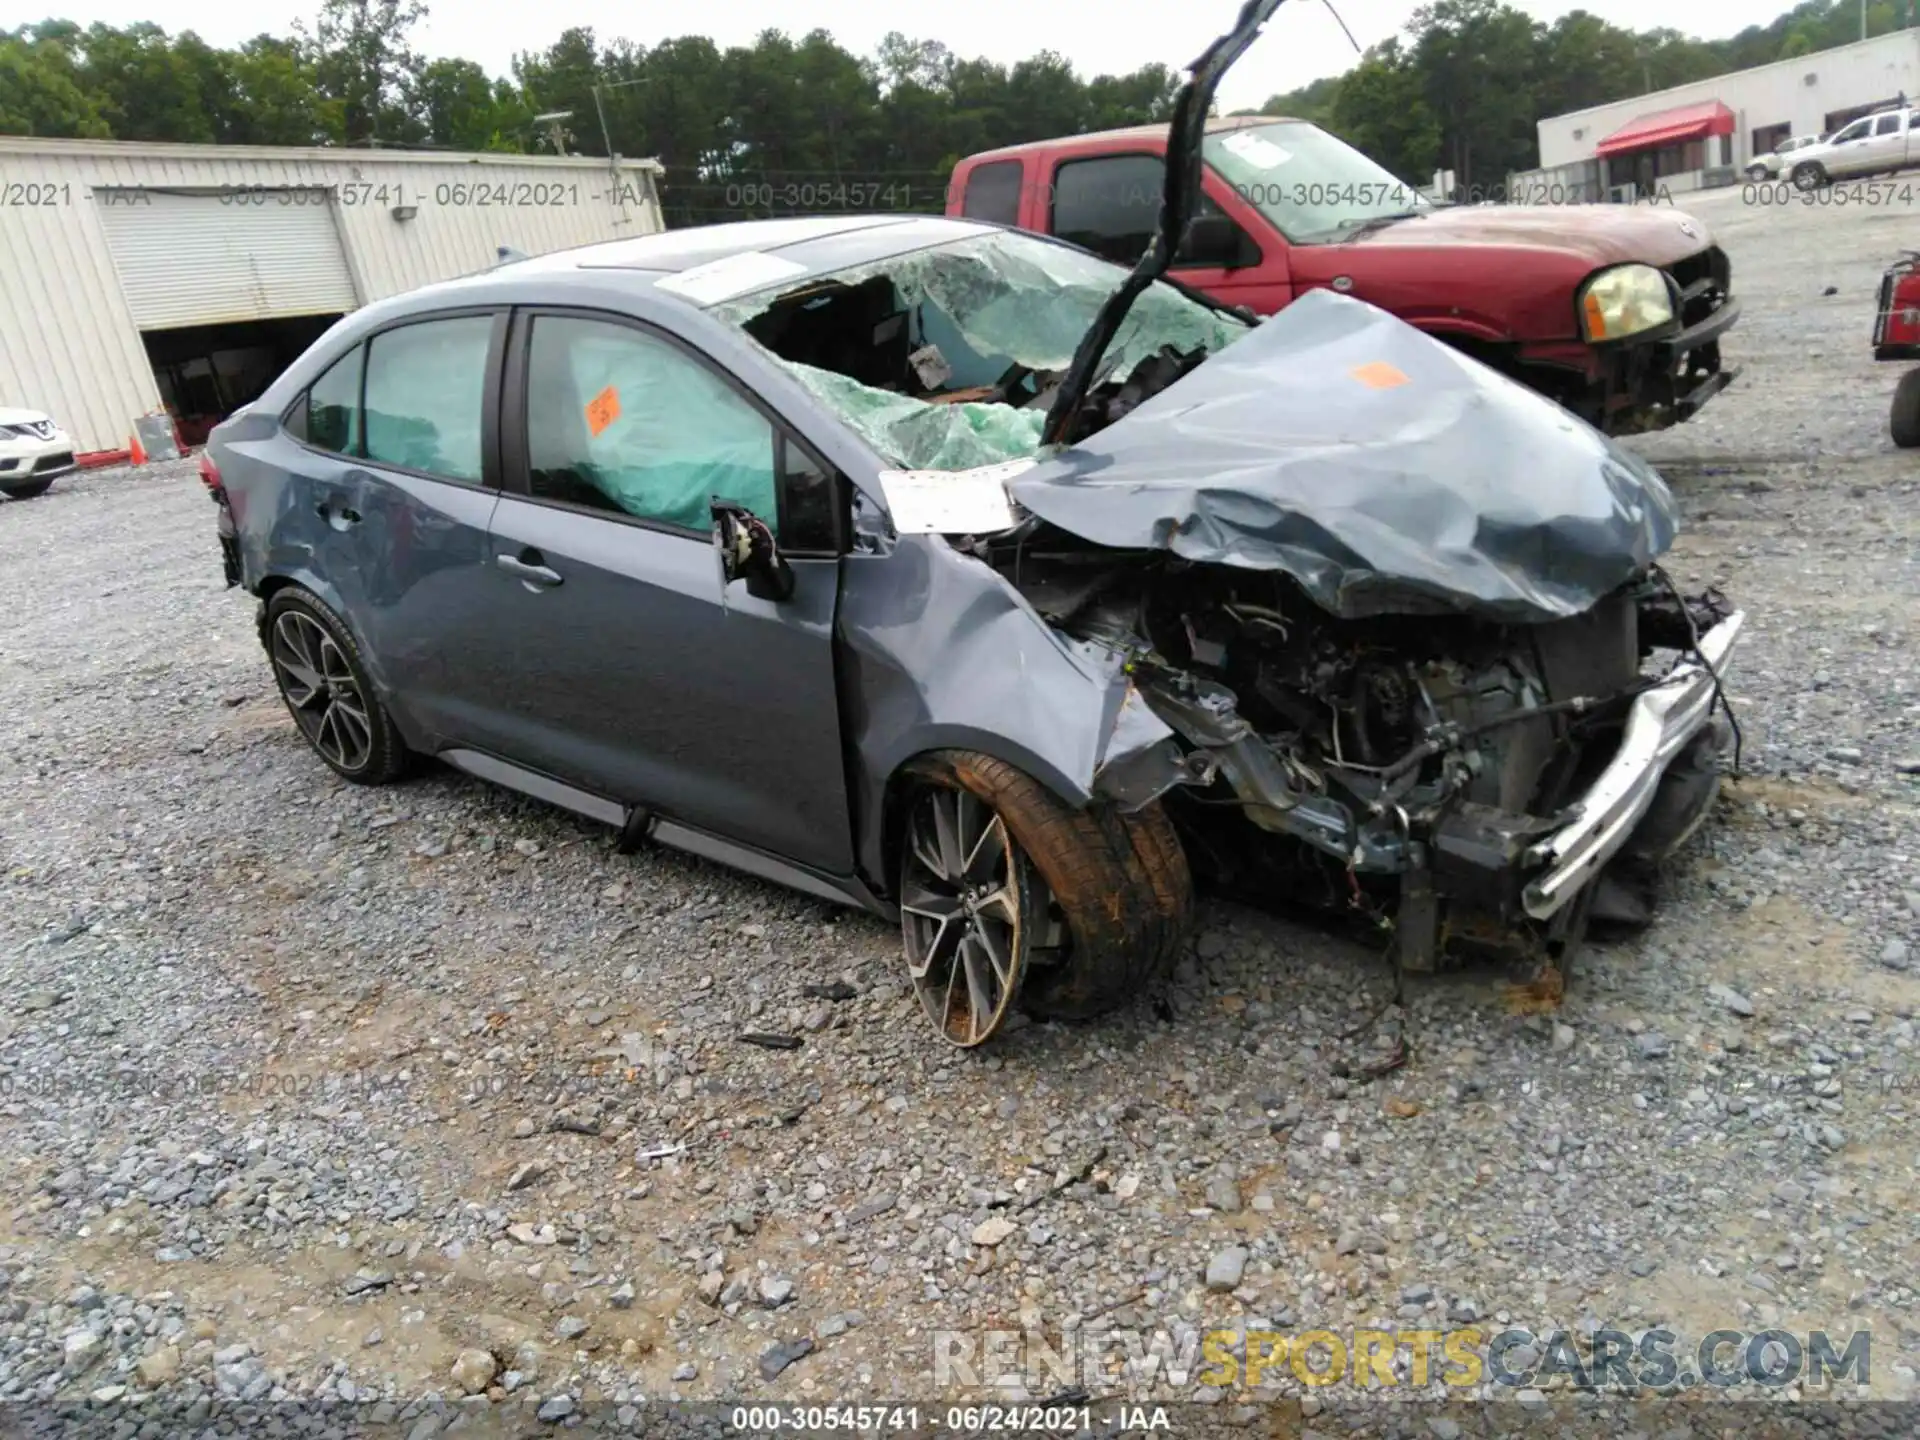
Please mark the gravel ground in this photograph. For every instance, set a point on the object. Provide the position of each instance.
(319, 1094)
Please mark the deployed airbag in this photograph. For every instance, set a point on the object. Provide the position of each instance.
(1383, 470)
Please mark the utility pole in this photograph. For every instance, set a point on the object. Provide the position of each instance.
(606, 137)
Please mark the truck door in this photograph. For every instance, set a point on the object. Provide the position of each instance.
(1110, 204)
(1887, 144)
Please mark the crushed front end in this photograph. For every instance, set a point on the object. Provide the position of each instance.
(1466, 782)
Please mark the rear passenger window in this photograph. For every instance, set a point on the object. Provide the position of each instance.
(426, 385)
(1887, 125)
(993, 193)
(1109, 205)
(327, 417)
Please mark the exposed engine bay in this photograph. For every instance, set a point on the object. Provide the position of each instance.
(1399, 767)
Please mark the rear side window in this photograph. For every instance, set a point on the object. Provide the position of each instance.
(426, 385)
(1109, 205)
(327, 417)
(1888, 124)
(993, 193)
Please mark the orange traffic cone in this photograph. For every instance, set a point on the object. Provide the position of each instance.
(136, 452)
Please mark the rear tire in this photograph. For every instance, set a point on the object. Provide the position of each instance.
(323, 680)
(1904, 422)
(27, 490)
(1121, 896)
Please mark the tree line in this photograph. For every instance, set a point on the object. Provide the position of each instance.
(777, 124)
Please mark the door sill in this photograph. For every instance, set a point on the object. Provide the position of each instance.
(637, 823)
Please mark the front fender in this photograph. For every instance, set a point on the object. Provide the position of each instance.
(937, 651)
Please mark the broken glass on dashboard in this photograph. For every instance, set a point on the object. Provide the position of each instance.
(946, 358)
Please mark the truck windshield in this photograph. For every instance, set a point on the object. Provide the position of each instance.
(1313, 187)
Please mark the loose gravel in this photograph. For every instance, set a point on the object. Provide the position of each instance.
(426, 1097)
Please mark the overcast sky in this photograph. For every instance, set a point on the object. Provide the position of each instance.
(1301, 42)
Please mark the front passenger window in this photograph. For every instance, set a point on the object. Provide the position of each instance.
(619, 420)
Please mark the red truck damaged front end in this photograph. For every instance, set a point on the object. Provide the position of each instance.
(1616, 312)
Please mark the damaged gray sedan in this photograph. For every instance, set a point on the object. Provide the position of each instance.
(954, 573)
(1314, 610)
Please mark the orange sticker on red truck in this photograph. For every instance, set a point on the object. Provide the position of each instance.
(603, 410)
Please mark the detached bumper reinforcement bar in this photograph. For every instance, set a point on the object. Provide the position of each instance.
(1658, 727)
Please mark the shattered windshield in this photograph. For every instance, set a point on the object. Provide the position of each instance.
(946, 358)
(1312, 186)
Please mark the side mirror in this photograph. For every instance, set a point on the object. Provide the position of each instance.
(747, 552)
(1212, 240)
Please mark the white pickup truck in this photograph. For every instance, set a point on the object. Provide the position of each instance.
(1872, 145)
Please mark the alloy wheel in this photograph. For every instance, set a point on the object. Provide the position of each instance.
(321, 691)
(966, 894)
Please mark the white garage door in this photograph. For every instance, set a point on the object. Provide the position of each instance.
(209, 259)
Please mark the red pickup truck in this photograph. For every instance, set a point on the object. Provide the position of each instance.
(1615, 311)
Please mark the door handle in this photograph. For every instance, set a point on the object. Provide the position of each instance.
(530, 572)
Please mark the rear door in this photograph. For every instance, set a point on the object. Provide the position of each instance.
(632, 671)
(395, 448)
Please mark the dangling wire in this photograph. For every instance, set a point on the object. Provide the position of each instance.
(1720, 700)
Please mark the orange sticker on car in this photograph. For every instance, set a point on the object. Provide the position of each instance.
(603, 410)
(1378, 375)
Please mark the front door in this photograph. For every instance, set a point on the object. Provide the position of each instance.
(637, 674)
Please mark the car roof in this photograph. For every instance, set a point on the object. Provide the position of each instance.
(818, 244)
(1098, 138)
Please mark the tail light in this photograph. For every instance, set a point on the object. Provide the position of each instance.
(210, 474)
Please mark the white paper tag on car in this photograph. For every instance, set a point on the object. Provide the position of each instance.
(1256, 150)
(952, 502)
(719, 280)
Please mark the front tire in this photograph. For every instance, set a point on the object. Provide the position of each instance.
(1810, 175)
(1105, 899)
(323, 680)
(1758, 173)
(27, 489)
(1904, 422)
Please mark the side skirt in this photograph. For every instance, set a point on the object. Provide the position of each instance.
(637, 823)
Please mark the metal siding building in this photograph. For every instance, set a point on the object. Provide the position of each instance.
(109, 248)
(1801, 96)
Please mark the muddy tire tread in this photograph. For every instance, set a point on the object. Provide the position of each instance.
(1122, 880)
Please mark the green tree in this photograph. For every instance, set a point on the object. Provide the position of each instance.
(1381, 108)
(363, 62)
(461, 107)
(146, 86)
(40, 93)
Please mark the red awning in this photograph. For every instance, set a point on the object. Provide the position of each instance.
(1669, 127)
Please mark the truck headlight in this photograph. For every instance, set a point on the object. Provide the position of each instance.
(1624, 301)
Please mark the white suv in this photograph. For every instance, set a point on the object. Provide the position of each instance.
(1778, 160)
(34, 452)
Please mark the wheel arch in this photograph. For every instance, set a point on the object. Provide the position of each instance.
(881, 848)
(276, 581)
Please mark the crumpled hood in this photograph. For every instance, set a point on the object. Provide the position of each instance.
(1383, 470)
(1591, 235)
